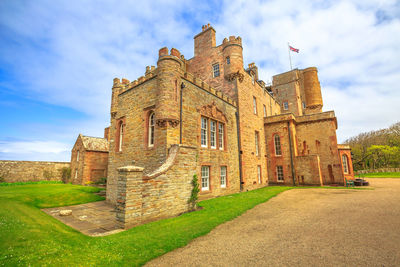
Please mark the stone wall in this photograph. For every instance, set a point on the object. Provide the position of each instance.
(164, 193)
(24, 171)
(377, 170)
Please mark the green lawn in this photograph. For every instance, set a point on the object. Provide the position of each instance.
(28, 236)
(380, 175)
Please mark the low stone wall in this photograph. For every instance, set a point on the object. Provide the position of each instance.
(378, 170)
(162, 194)
(23, 171)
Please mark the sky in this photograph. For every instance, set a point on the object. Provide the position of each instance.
(58, 59)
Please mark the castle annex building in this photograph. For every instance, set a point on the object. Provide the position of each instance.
(210, 116)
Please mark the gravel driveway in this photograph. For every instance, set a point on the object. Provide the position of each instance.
(305, 227)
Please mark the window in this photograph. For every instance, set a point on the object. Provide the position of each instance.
(216, 70)
(345, 165)
(205, 178)
(228, 60)
(265, 111)
(76, 174)
(279, 173)
(204, 123)
(213, 134)
(259, 174)
(221, 136)
(256, 136)
(121, 136)
(285, 105)
(77, 155)
(304, 104)
(252, 78)
(255, 104)
(277, 141)
(151, 129)
(223, 176)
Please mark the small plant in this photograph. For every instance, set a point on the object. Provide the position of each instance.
(102, 180)
(2, 180)
(65, 174)
(194, 195)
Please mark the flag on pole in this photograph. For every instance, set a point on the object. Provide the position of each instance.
(293, 49)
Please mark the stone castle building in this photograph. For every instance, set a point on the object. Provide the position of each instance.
(209, 116)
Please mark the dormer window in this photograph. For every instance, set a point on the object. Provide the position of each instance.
(215, 70)
(228, 60)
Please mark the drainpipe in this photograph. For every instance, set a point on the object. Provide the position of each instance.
(180, 115)
(291, 154)
(239, 149)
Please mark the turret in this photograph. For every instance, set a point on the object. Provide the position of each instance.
(169, 68)
(312, 91)
(233, 55)
(116, 89)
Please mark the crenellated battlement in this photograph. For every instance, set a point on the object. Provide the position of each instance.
(205, 86)
(232, 41)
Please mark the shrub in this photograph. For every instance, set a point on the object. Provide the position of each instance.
(194, 195)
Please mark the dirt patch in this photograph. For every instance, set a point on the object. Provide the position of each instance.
(317, 227)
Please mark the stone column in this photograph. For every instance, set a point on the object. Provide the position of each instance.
(129, 196)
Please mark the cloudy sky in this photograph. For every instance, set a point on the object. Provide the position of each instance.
(58, 59)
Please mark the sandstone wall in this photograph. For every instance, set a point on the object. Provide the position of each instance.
(24, 171)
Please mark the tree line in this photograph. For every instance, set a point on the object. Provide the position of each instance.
(376, 149)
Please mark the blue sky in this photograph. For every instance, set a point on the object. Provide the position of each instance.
(58, 59)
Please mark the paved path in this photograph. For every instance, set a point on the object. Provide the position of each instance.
(305, 227)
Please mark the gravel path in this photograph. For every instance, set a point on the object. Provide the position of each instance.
(305, 227)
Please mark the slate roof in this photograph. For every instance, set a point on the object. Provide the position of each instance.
(95, 143)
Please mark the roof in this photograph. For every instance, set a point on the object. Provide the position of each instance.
(95, 143)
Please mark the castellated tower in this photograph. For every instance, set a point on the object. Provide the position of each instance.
(169, 68)
(233, 56)
(116, 89)
(312, 91)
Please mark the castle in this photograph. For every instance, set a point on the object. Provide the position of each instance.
(209, 116)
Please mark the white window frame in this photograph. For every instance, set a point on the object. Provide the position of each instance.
(204, 132)
(279, 173)
(77, 155)
(121, 136)
(213, 134)
(205, 178)
(265, 111)
(277, 145)
(223, 176)
(151, 128)
(255, 105)
(221, 136)
(257, 141)
(345, 164)
(259, 173)
(216, 72)
(285, 105)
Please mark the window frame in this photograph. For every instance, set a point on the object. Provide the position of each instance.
(213, 134)
(221, 137)
(277, 145)
(223, 177)
(205, 130)
(151, 129)
(285, 105)
(216, 70)
(345, 164)
(279, 173)
(205, 178)
(121, 130)
(259, 174)
(228, 60)
(254, 105)
(257, 142)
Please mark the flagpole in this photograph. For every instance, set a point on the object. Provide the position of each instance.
(290, 59)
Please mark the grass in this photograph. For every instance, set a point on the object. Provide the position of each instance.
(25, 183)
(380, 175)
(28, 236)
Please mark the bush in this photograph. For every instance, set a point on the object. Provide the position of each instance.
(195, 191)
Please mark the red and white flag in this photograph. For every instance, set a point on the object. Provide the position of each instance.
(293, 49)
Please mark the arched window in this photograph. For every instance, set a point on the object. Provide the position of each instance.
(151, 129)
(345, 164)
(121, 136)
(277, 141)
